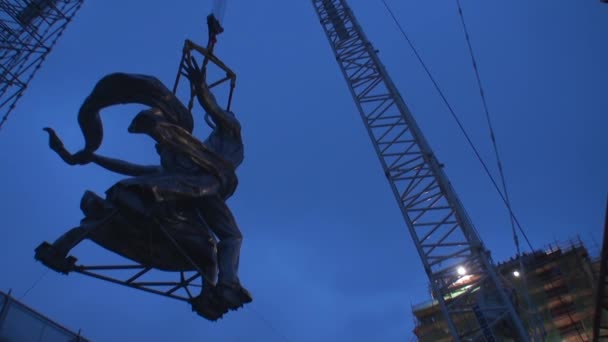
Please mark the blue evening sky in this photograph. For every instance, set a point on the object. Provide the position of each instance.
(326, 253)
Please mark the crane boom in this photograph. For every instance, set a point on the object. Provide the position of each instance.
(444, 236)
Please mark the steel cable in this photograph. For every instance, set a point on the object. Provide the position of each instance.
(458, 122)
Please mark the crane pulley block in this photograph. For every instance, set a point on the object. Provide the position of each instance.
(214, 27)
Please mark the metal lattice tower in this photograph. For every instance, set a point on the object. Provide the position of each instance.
(443, 233)
(28, 31)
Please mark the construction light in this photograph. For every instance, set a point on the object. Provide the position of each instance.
(516, 274)
(461, 271)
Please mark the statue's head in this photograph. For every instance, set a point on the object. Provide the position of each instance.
(147, 120)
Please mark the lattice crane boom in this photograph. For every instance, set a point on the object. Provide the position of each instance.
(448, 244)
(28, 31)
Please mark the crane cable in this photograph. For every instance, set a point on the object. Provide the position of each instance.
(504, 196)
(537, 327)
(38, 280)
(460, 125)
(219, 9)
(490, 126)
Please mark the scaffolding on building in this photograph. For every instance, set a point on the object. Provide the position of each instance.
(568, 294)
(29, 29)
(560, 281)
(600, 318)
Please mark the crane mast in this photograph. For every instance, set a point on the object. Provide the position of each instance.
(450, 248)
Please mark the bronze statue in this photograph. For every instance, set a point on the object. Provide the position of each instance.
(165, 216)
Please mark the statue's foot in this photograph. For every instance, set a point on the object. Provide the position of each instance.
(54, 259)
(234, 296)
(208, 306)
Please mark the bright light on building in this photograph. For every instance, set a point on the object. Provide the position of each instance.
(461, 271)
(516, 274)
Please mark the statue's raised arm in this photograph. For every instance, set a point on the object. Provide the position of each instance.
(221, 118)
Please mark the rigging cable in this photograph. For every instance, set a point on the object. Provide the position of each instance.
(34, 284)
(459, 123)
(268, 324)
(532, 309)
(491, 127)
(219, 9)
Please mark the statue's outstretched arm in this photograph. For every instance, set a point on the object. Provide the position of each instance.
(206, 98)
(124, 167)
(114, 165)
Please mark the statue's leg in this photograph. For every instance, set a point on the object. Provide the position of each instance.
(69, 240)
(55, 255)
(96, 211)
(221, 221)
(207, 303)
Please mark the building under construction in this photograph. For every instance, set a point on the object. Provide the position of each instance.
(560, 283)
